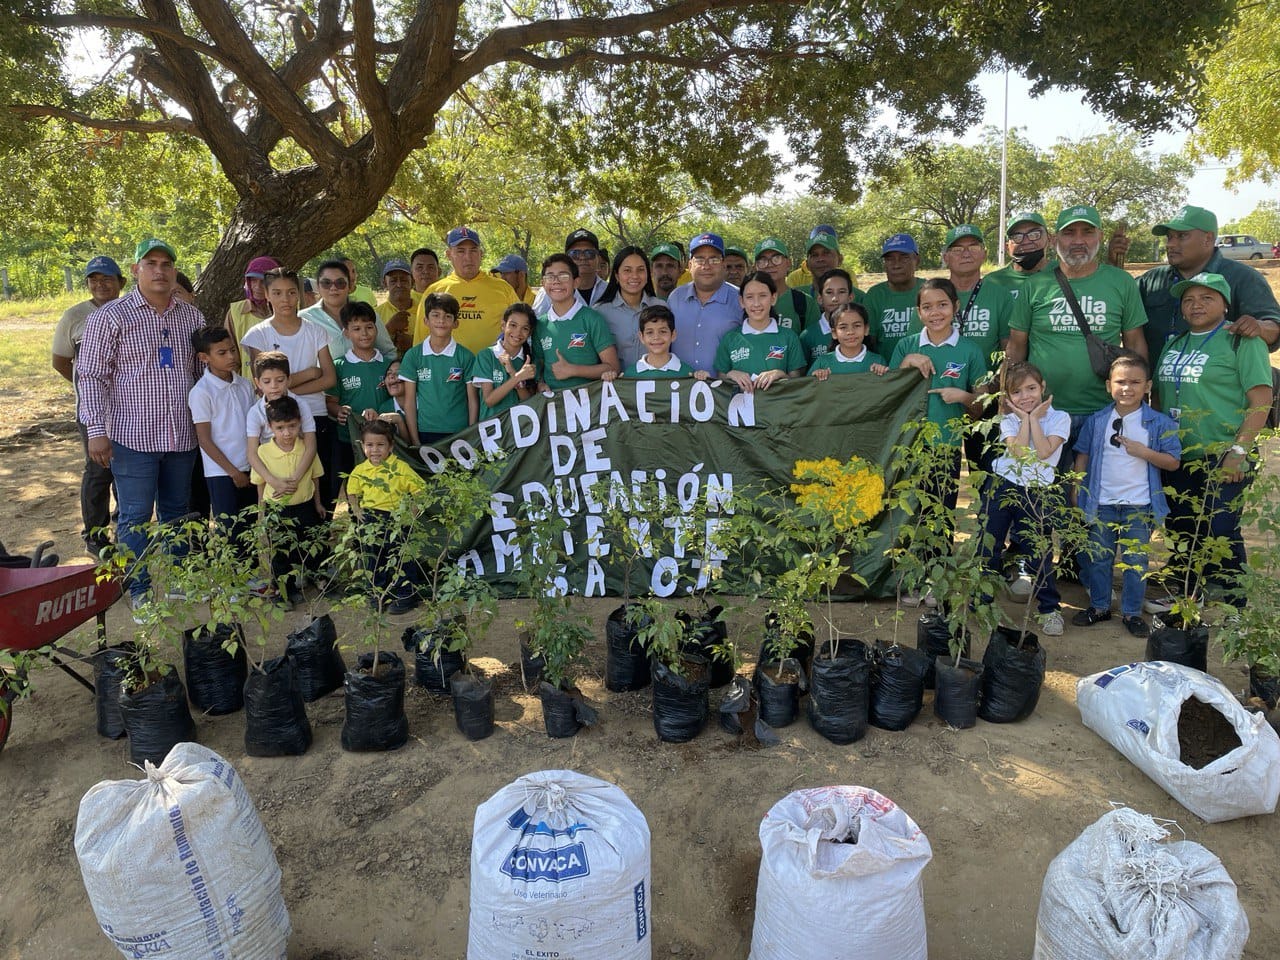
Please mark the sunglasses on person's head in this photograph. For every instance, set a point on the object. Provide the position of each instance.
(1118, 426)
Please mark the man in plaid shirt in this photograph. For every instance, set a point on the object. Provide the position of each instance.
(136, 368)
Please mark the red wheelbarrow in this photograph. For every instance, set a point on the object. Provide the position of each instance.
(37, 608)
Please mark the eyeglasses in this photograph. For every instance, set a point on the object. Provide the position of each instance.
(705, 261)
(556, 277)
(1118, 426)
(773, 260)
(1032, 235)
(336, 284)
(584, 254)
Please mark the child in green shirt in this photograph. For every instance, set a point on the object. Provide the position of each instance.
(575, 344)
(505, 373)
(849, 353)
(657, 333)
(761, 353)
(361, 371)
(437, 376)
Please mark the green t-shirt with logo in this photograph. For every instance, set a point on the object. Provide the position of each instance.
(489, 368)
(987, 320)
(675, 367)
(756, 352)
(836, 363)
(359, 386)
(580, 338)
(791, 319)
(893, 314)
(816, 339)
(1109, 300)
(1204, 377)
(1014, 280)
(960, 364)
(442, 381)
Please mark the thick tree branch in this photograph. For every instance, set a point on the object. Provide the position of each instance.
(425, 57)
(577, 57)
(34, 111)
(141, 25)
(373, 96)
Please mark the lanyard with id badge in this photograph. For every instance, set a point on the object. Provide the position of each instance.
(1180, 364)
(164, 354)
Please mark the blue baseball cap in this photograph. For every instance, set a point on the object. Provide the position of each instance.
(900, 243)
(512, 263)
(393, 265)
(461, 235)
(707, 240)
(822, 228)
(103, 265)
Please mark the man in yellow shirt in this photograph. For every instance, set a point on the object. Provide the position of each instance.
(481, 297)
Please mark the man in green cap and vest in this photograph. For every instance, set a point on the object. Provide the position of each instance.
(1026, 237)
(823, 255)
(796, 310)
(665, 265)
(1191, 237)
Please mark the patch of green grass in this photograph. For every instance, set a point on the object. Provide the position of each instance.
(44, 309)
(26, 333)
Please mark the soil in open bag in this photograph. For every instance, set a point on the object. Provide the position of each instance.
(472, 705)
(933, 638)
(1264, 686)
(275, 717)
(1175, 645)
(840, 691)
(779, 687)
(959, 687)
(702, 636)
(375, 717)
(316, 659)
(531, 665)
(215, 678)
(432, 667)
(681, 704)
(107, 674)
(1011, 678)
(626, 663)
(1204, 734)
(897, 685)
(157, 718)
(564, 712)
(802, 651)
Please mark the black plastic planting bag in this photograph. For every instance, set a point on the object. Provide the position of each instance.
(681, 705)
(839, 702)
(626, 664)
(1264, 686)
(779, 699)
(897, 685)
(156, 718)
(1011, 678)
(107, 674)
(316, 659)
(215, 678)
(737, 702)
(956, 700)
(375, 705)
(472, 705)
(1187, 647)
(531, 665)
(702, 636)
(275, 718)
(802, 651)
(933, 638)
(564, 712)
(432, 667)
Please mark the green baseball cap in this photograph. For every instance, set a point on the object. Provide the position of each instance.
(737, 252)
(666, 250)
(964, 230)
(1081, 213)
(771, 243)
(1188, 218)
(825, 240)
(1214, 281)
(151, 243)
(1029, 216)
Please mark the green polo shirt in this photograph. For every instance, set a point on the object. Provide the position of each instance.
(755, 351)
(1205, 378)
(580, 337)
(359, 386)
(791, 319)
(442, 382)
(837, 363)
(957, 362)
(488, 368)
(673, 368)
(816, 339)
(892, 314)
(1109, 299)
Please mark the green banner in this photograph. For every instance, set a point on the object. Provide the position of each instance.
(697, 440)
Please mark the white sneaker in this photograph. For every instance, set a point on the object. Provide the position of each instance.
(1159, 605)
(930, 600)
(910, 599)
(173, 593)
(1051, 624)
(1019, 587)
(137, 602)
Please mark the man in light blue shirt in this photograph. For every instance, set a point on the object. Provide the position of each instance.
(707, 307)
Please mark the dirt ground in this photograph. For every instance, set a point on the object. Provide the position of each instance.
(375, 848)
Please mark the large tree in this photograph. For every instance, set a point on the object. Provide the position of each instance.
(311, 107)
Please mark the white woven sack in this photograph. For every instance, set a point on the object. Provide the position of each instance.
(1119, 893)
(1135, 708)
(559, 868)
(819, 898)
(178, 866)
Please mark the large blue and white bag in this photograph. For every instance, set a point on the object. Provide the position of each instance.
(559, 868)
(178, 866)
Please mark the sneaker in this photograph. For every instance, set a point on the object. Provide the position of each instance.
(96, 547)
(174, 593)
(1019, 587)
(1159, 605)
(1089, 616)
(1051, 624)
(137, 603)
(398, 607)
(929, 600)
(910, 599)
(1136, 626)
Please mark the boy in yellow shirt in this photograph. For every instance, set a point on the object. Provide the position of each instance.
(302, 510)
(375, 488)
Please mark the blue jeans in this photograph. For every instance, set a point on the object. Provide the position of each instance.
(1026, 512)
(148, 484)
(232, 508)
(1117, 522)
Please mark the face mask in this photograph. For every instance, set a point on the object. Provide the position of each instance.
(1028, 260)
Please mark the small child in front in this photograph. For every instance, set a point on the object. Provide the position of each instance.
(271, 378)
(657, 333)
(849, 353)
(1121, 450)
(437, 376)
(377, 485)
(1020, 495)
(219, 402)
(302, 510)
